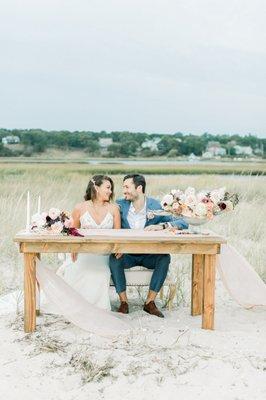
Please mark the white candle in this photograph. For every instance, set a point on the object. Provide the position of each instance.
(39, 205)
(28, 212)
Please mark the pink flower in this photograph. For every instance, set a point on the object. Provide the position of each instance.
(206, 200)
(209, 206)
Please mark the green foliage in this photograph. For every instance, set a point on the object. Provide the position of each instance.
(92, 147)
(193, 144)
(168, 143)
(4, 152)
(125, 143)
(114, 150)
(173, 153)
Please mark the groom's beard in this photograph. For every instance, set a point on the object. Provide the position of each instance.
(131, 197)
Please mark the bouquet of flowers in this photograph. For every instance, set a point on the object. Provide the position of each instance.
(54, 222)
(202, 205)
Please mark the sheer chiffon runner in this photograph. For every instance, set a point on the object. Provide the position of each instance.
(65, 301)
(239, 278)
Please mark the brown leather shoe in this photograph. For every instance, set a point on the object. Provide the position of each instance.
(123, 307)
(152, 309)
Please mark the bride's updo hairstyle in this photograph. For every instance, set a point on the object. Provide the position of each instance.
(97, 180)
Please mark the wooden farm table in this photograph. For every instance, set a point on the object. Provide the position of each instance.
(204, 250)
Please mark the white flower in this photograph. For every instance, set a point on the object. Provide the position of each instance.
(201, 209)
(38, 220)
(190, 191)
(229, 205)
(221, 192)
(57, 227)
(201, 195)
(183, 198)
(215, 196)
(167, 200)
(191, 200)
(174, 191)
(54, 213)
(177, 193)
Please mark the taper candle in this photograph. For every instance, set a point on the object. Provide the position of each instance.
(39, 205)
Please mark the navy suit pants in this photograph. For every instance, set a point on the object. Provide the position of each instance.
(158, 262)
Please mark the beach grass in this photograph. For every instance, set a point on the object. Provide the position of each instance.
(63, 186)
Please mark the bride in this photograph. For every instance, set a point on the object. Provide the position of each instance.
(89, 274)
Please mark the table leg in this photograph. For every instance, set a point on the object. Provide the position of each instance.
(196, 284)
(38, 293)
(38, 299)
(29, 292)
(209, 271)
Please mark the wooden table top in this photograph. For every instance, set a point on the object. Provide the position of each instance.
(122, 236)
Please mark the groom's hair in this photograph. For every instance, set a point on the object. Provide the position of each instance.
(138, 180)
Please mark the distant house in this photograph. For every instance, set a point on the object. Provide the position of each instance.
(207, 155)
(259, 150)
(243, 150)
(215, 149)
(151, 144)
(10, 140)
(192, 158)
(105, 143)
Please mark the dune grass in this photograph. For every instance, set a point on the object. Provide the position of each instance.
(63, 186)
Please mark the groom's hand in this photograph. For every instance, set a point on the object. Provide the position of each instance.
(118, 255)
(153, 228)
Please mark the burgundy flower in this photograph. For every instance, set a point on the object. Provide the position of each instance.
(222, 206)
(74, 232)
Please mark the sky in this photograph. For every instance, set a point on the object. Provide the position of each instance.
(163, 66)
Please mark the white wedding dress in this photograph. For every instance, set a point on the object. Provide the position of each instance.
(90, 274)
(80, 291)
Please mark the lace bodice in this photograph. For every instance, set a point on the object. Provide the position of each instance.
(87, 222)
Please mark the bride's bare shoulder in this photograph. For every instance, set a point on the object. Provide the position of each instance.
(80, 207)
(113, 207)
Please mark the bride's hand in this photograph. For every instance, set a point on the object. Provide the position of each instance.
(74, 257)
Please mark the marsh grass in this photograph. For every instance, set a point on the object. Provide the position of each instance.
(63, 186)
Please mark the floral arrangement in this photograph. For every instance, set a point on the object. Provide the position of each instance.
(54, 222)
(203, 204)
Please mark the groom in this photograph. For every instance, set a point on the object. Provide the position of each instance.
(133, 209)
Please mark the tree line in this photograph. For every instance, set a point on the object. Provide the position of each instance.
(124, 144)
